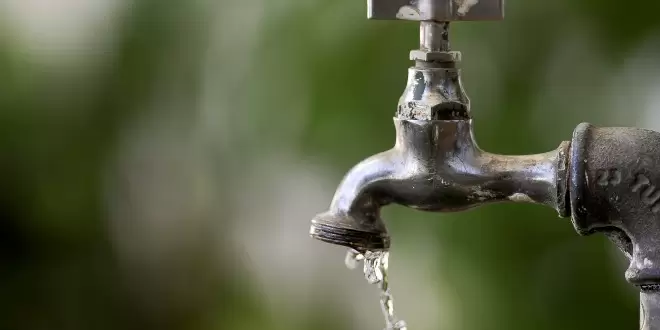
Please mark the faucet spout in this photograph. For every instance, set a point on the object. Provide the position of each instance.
(353, 219)
(435, 166)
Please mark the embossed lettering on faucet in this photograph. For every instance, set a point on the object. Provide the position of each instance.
(609, 177)
(649, 193)
(640, 181)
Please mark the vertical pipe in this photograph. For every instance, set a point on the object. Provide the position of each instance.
(649, 311)
(434, 36)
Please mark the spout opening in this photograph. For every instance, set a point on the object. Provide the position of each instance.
(356, 239)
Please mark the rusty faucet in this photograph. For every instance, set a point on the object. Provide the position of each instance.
(606, 179)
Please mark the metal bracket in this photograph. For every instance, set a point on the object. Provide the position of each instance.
(436, 10)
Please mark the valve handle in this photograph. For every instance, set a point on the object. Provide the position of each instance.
(436, 10)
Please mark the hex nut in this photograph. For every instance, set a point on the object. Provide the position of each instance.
(428, 56)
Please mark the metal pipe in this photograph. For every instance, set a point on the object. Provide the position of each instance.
(649, 311)
(434, 36)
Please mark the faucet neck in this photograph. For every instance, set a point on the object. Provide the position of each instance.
(447, 150)
(434, 93)
(434, 36)
(432, 140)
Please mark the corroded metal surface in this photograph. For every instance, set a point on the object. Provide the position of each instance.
(434, 94)
(614, 187)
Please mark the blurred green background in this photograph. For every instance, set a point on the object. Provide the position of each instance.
(160, 162)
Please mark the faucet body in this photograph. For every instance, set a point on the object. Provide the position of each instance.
(435, 166)
(606, 179)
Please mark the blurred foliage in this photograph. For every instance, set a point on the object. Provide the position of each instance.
(60, 132)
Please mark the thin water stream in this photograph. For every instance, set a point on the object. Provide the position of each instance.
(375, 271)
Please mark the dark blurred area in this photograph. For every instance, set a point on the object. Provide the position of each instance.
(160, 162)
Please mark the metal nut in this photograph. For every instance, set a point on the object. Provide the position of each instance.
(427, 56)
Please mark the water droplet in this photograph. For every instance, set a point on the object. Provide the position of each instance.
(401, 325)
(353, 259)
(375, 262)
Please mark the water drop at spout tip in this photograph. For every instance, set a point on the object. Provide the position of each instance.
(353, 259)
(375, 266)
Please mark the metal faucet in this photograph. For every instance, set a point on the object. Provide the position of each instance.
(606, 179)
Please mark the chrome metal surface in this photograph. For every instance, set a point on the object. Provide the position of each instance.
(434, 36)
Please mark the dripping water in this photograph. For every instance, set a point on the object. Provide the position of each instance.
(375, 271)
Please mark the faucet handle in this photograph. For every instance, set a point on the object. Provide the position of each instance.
(436, 10)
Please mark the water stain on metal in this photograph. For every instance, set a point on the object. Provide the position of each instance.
(464, 6)
(408, 12)
(521, 198)
(647, 263)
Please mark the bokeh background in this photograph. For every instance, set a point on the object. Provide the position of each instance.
(160, 162)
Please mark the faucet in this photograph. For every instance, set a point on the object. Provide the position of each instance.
(607, 180)
(435, 164)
